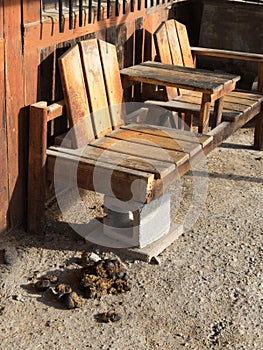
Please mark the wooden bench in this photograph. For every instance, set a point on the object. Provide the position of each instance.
(237, 107)
(134, 162)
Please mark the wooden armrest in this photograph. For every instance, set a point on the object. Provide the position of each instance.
(56, 110)
(228, 54)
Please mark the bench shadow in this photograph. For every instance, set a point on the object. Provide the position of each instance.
(230, 176)
(235, 146)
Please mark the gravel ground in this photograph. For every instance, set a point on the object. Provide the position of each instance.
(205, 294)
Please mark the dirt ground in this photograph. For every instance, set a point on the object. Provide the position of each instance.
(206, 293)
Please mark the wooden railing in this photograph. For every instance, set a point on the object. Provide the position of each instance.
(86, 11)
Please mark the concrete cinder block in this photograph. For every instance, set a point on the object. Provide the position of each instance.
(135, 224)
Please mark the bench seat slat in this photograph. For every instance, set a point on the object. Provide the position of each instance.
(121, 180)
(124, 160)
(235, 103)
(181, 135)
(157, 142)
(146, 151)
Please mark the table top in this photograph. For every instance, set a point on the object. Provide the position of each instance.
(181, 77)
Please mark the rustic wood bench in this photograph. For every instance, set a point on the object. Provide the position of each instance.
(141, 160)
(236, 108)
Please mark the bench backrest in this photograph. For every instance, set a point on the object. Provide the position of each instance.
(92, 89)
(173, 48)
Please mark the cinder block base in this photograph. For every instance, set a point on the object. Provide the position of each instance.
(134, 224)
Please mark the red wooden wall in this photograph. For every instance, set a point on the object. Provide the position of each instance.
(28, 55)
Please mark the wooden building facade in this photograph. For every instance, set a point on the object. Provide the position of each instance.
(31, 39)
(34, 33)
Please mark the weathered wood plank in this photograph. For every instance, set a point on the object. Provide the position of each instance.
(170, 133)
(144, 150)
(3, 147)
(247, 56)
(240, 98)
(194, 73)
(121, 177)
(217, 112)
(120, 159)
(230, 103)
(1, 19)
(165, 55)
(158, 142)
(76, 99)
(113, 81)
(184, 44)
(203, 121)
(190, 79)
(95, 86)
(36, 165)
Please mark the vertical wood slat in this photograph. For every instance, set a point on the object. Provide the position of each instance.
(117, 12)
(90, 12)
(124, 7)
(74, 90)
(95, 86)
(3, 146)
(99, 10)
(112, 81)
(60, 16)
(184, 44)
(36, 166)
(109, 8)
(162, 40)
(1, 18)
(175, 48)
(203, 121)
(70, 4)
(132, 5)
(80, 13)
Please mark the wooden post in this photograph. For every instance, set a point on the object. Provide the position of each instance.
(204, 114)
(189, 120)
(37, 166)
(218, 109)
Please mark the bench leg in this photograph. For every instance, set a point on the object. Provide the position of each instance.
(204, 114)
(189, 120)
(137, 225)
(217, 114)
(258, 138)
